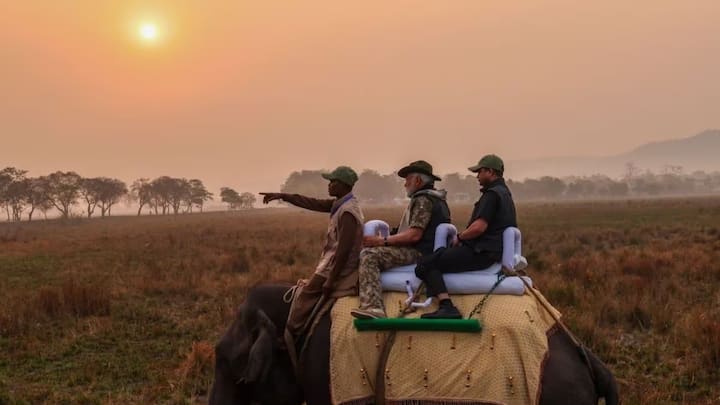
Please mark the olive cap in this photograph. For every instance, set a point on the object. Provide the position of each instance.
(489, 162)
(343, 174)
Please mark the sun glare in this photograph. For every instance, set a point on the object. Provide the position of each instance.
(148, 31)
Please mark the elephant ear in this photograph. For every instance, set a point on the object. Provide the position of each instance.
(261, 352)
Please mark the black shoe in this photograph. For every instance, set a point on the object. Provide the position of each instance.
(444, 312)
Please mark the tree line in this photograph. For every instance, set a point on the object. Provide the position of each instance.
(59, 190)
(373, 187)
(62, 191)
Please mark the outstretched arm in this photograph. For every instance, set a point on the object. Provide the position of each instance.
(309, 203)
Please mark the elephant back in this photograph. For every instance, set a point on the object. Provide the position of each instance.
(501, 364)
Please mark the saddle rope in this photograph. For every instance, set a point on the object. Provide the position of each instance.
(289, 298)
(387, 346)
(289, 295)
(580, 347)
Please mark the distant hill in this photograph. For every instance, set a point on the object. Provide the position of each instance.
(698, 152)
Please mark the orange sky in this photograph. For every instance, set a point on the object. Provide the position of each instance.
(240, 93)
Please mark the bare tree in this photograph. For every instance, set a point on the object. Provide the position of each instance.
(162, 188)
(141, 191)
(170, 193)
(631, 170)
(230, 196)
(37, 196)
(5, 180)
(306, 182)
(247, 200)
(460, 188)
(198, 195)
(12, 191)
(179, 194)
(64, 190)
(109, 193)
(372, 187)
(89, 191)
(16, 193)
(672, 169)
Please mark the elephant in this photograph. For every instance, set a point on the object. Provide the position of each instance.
(252, 366)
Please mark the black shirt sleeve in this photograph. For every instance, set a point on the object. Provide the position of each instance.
(486, 208)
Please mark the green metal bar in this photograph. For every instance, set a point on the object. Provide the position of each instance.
(419, 324)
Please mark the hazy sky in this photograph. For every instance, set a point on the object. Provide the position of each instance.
(240, 93)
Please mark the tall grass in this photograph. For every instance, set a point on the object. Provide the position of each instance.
(126, 309)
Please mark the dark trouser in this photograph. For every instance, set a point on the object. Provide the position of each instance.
(456, 259)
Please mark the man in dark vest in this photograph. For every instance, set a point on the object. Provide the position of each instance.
(415, 237)
(336, 272)
(480, 244)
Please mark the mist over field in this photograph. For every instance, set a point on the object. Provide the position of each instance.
(130, 308)
(135, 137)
(241, 94)
(676, 168)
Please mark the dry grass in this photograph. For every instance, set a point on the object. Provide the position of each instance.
(196, 371)
(126, 310)
(48, 303)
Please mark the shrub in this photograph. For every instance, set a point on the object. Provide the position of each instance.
(85, 300)
(703, 332)
(49, 301)
(237, 262)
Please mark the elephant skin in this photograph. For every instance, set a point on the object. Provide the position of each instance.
(251, 366)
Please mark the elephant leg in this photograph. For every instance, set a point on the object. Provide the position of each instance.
(566, 378)
(605, 382)
(315, 365)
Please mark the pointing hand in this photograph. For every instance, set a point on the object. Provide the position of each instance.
(267, 197)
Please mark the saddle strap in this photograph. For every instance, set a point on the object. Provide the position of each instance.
(292, 353)
(322, 307)
(385, 352)
(289, 298)
(580, 347)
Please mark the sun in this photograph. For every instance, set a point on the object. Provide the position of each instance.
(148, 31)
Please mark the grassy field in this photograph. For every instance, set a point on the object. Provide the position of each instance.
(127, 310)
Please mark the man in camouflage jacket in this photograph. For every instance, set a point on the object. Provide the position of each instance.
(415, 237)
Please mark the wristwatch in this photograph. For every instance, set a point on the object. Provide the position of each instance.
(385, 241)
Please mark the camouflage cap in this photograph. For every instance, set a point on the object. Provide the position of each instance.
(343, 174)
(489, 162)
(418, 166)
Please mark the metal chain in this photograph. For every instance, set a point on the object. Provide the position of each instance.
(480, 304)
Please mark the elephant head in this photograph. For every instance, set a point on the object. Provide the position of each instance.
(250, 366)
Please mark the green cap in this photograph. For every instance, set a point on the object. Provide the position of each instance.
(489, 162)
(343, 174)
(419, 166)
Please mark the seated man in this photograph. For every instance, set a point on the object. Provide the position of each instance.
(415, 237)
(336, 272)
(480, 244)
